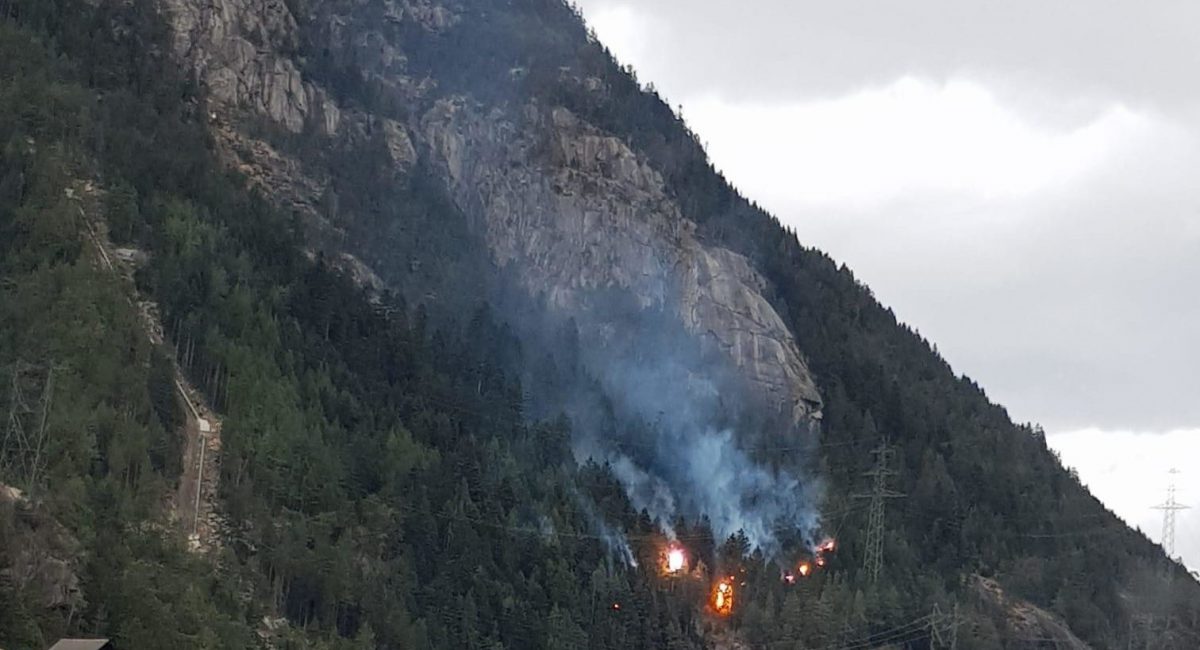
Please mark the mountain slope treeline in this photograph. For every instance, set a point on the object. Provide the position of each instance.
(383, 480)
(382, 486)
(985, 496)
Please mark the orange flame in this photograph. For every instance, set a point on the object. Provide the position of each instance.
(722, 598)
(675, 560)
(809, 567)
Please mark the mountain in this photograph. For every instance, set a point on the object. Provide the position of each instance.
(422, 324)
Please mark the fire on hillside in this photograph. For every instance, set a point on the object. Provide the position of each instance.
(809, 566)
(722, 597)
(673, 560)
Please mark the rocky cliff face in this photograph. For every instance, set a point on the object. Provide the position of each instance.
(44, 560)
(588, 215)
(569, 209)
(1023, 619)
(237, 47)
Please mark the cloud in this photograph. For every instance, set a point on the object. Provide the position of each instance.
(767, 50)
(1054, 266)
(901, 141)
(622, 29)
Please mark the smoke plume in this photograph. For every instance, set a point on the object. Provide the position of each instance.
(670, 416)
(672, 420)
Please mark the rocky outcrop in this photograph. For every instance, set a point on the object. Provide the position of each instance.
(1024, 619)
(242, 52)
(576, 211)
(235, 47)
(570, 208)
(44, 559)
(274, 173)
(399, 145)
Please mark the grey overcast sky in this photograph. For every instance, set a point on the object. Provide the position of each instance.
(1018, 179)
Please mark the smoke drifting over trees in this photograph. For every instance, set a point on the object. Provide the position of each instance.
(673, 420)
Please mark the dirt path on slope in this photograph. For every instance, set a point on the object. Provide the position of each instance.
(196, 498)
(194, 504)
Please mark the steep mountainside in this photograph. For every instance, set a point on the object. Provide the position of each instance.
(486, 332)
(570, 206)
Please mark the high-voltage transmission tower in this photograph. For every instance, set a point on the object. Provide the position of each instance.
(23, 447)
(873, 558)
(1170, 508)
(943, 628)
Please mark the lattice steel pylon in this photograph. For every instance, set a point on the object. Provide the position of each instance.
(1170, 508)
(873, 558)
(23, 448)
(943, 628)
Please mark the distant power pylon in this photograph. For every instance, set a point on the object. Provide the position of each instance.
(1170, 508)
(23, 448)
(943, 628)
(873, 559)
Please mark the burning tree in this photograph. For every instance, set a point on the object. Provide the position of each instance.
(675, 560)
(722, 597)
(672, 559)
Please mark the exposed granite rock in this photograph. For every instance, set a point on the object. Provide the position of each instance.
(433, 16)
(327, 113)
(274, 173)
(572, 208)
(1025, 619)
(241, 51)
(577, 211)
(236, 49)
(360, 273)
(45, 558)
(399, 145)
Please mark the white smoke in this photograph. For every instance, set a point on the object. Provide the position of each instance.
(686, 461)
(614, 540)
(673, 419)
